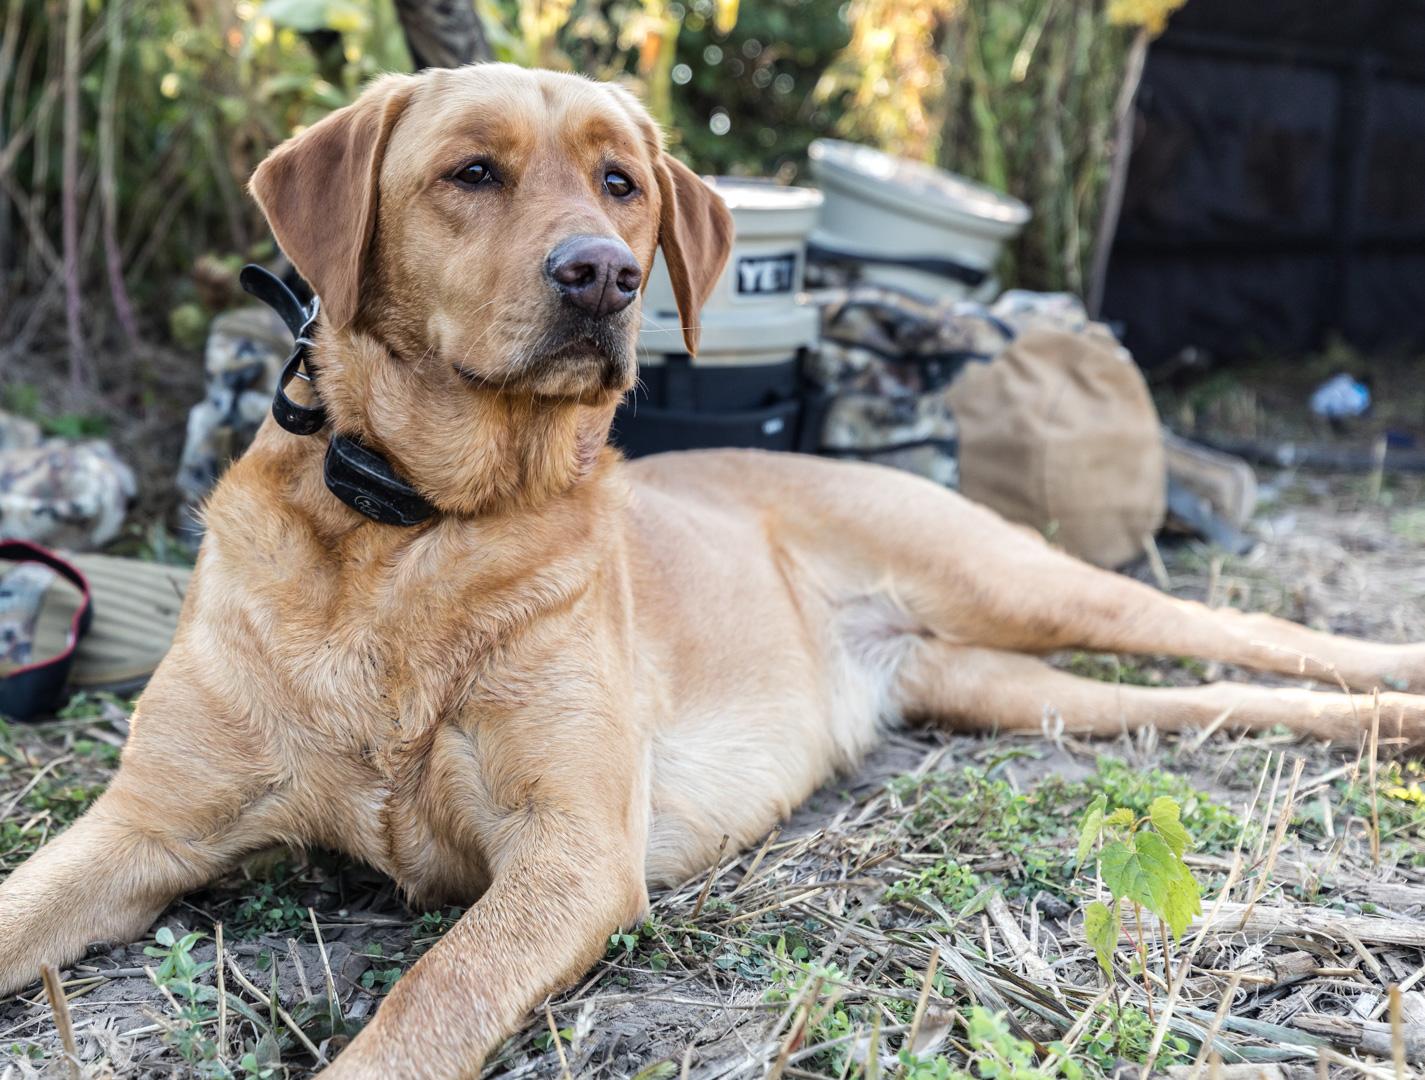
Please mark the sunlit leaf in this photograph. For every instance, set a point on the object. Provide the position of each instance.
(1101, 932)
(308, 15)
(725, 16)
(1165, 815)
(1147, 872)
(1090, 829)
(1121, 818)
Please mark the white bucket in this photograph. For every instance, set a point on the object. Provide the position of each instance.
(910, 225)
(744, 386)
(753, 315)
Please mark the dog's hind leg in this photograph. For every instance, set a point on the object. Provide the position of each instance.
(970, 576)
(175, 815)
(977, 688)
(965, 574)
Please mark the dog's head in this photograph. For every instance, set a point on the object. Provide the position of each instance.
(496, 222)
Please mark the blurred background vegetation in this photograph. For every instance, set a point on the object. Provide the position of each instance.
(128, 129)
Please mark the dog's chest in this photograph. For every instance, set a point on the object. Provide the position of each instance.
(424, 728)
(366, 721)
(406, 796)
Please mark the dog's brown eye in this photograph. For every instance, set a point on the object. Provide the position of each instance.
(474, 174)
(618, 185)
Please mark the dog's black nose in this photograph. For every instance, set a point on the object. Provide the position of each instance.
(597, 274)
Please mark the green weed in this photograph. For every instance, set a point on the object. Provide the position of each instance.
(23, 399)
(380, 979)
(1214, 826)
(1399, 806)
(269, 909)
(1111, 668)
(196, 1003)
(260, 1039)
(947, 881)
(49, 806)
(968, 814)
(1126, 1034)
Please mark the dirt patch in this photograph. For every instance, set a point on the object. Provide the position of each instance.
(932, 891)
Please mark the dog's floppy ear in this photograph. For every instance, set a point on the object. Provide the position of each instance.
(318, 191)
(695, 232)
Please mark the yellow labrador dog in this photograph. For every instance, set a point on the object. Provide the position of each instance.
(569, 683)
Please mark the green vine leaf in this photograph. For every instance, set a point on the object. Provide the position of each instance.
(1092, 826)
(1182, 901)
(1165, 814)
(1147, 872)
(1101, 932)
(1122, 818)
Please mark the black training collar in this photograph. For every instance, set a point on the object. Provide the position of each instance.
(354, 473)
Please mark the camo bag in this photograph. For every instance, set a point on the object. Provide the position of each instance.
(1026, 406)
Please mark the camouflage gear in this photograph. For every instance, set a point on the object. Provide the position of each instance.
(1022, 310)
(887, 361)
(17, 433)
(243, 359)
(59, 494)
(22, 589)
(885, 364)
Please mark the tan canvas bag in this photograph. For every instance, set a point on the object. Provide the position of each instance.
(1058, 432)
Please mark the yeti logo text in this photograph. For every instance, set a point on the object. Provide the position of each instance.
(763, 275)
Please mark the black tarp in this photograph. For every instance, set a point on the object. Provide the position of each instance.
(1276, 196)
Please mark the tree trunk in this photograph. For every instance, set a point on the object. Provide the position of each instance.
(443, 33)
(1118, 176)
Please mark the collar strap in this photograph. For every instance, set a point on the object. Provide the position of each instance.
(356, 474)
(300, 319)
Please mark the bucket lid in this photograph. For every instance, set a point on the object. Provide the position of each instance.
(763, 207)
(912, 187)
(761, 193)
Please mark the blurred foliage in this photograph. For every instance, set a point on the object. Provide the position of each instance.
(177, 102)
(743, 101)
(893, 74)
(1018, 94)
(191, 96)
(1151, 15)
(732, 83)
(1031, 111)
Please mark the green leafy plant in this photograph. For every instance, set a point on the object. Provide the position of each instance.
(269, 909)
(381, 979)
(545, 1039)
(179, 968)
(1140, 859)
(53, 803)
(1213, 825)
(178, 974)
(1126, 1034)
(186, 983)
